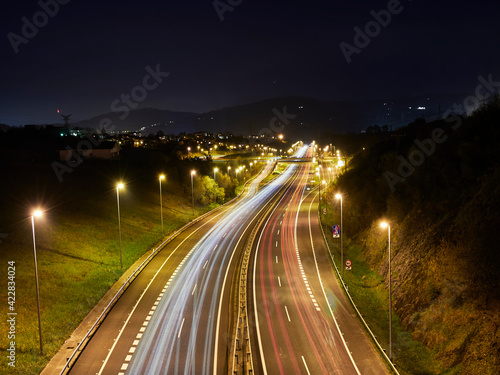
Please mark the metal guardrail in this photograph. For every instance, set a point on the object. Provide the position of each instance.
(242, 361)
(346, 290)
(127, 282)
(241, 336)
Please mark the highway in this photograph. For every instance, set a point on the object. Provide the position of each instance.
(299, 307)
(177, 316)
(174, 318)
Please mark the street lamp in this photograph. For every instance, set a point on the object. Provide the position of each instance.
(215, 171)
(37, 213)
(386, 225)
(162, 177)
(339, 196)
(228, 169)
(326, 206)
(193, 172)
(118, 187)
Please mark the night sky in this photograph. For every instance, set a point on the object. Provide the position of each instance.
(88, 53)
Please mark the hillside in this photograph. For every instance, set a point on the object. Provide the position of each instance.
(296, 117)
(443, 208)
(151, 119)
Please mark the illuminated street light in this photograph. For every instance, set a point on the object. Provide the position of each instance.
(193, 172)
(338, 196)
(386, 225)
(162, 177)
(228, 169)
(118, 187)
(326, 207)
(37, 213)
(215, 171)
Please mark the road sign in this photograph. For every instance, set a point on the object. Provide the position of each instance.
(336, 231)
(348, 264)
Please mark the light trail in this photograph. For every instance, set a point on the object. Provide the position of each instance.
(281, 345)
(158, 351)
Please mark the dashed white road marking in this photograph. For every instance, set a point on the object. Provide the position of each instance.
(180, 330)
(288, 315)
(305, 364)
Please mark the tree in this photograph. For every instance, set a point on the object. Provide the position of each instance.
(206, 191)
(228, 184)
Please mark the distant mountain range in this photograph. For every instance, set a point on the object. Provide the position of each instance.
(296, 117)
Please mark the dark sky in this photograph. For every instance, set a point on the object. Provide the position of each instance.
(88, 53)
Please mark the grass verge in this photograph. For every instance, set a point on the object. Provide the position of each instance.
(77, 245)
(369, 292)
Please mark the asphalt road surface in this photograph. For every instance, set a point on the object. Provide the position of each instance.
(174, 316)
(304, 324)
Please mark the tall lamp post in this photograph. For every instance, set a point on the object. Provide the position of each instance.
(339, 196)
(215, 171)
(37, 213)
(118, 187)
(386, 225)
(326, 203)
(193, 172)
(160, 179)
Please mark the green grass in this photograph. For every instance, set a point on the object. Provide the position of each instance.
(370, 295)
(280, 168)
(77, 249)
